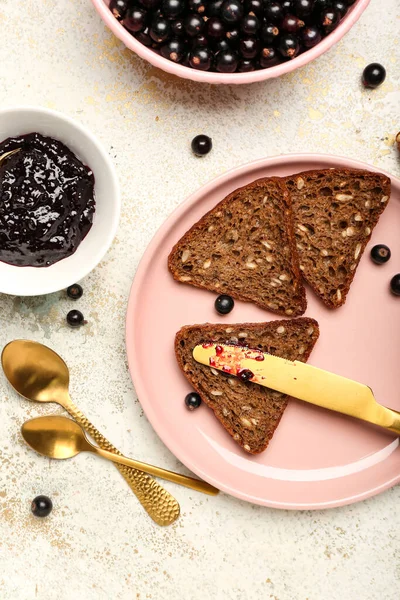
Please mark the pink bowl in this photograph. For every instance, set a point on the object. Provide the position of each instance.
(348, 21)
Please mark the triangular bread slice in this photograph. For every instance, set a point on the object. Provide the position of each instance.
(249, 412)
(335, 212)
(245, 247)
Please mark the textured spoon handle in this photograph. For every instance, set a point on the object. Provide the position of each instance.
(159, 504)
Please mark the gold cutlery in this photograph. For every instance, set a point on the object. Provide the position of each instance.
(3, 157)
(60, 438)
(38, 373)
(299, 380)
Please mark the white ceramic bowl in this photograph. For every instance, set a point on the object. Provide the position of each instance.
(33, 281)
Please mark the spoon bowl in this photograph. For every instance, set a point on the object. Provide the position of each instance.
(55, 437)
(36, 372)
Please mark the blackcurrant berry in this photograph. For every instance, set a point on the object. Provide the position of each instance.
(291, 23)
(380, 254)
(303, 8)
(136, 19)
(201, 58)
(75, 291)
(395, 285)
(373, 75)
(215, 28)
(231, 11)
(119, 8)
(249, 47)
(198, 6)
(222, 45)
(287, 6)
(310, 36)
(233, 37)
(329, 20)
(340, 6)
(144, 38)
(224, 304)
(254, 6)
(269, 57)
(41, 506)
(192, 400)
(201, 145)
(246, 66)
(213, 9)
(174, 50)
(160, 30)
(274, 12)
(172, 8)
(250, 24)
(226, 61)
(269, 34)
(75, 318)
(288, 45)
(194, 24)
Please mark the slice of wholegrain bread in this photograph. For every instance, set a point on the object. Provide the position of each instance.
(248, 411)
(335, 212)
(245, 247)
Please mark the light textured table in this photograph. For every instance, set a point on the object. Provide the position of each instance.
(98, 543)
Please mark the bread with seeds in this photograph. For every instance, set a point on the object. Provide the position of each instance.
(335, 212)
(245, 247)
(250, 413)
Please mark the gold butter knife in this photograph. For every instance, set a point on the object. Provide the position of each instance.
(302, 381)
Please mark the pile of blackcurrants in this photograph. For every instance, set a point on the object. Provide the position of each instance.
(229, 36)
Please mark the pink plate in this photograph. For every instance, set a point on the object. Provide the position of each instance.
(148, 54)
(317, 458)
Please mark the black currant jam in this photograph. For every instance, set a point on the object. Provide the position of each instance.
(47, 201)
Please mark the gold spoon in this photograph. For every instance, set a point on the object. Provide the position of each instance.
(38, 373)
(59, 437)
(3, 157)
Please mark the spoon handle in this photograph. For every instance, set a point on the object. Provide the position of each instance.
(190, 482)
(6, 155)
(162, 507)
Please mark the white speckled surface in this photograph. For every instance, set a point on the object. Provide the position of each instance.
(98, 544)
